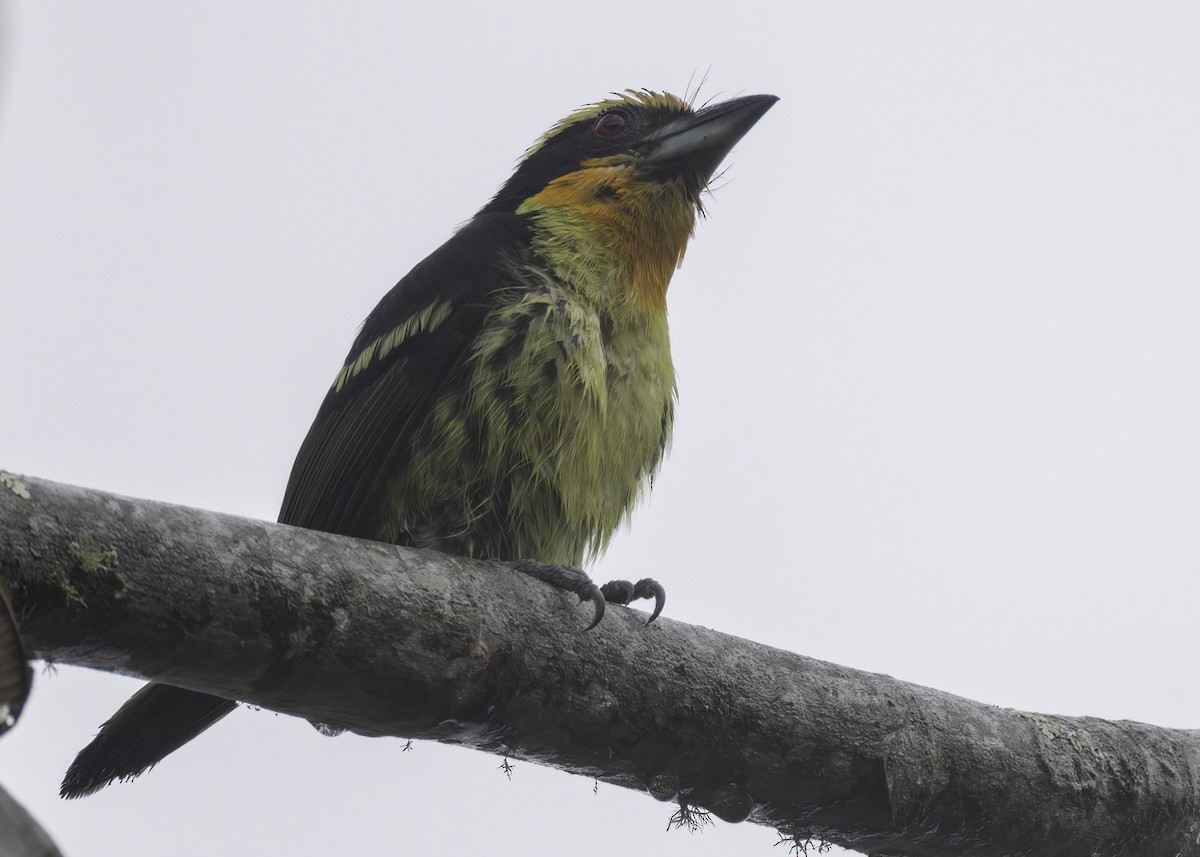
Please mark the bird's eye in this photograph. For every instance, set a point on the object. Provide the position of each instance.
(610, 125)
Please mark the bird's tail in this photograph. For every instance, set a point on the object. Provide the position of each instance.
(156, 721)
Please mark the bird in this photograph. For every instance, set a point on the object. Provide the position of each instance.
(512, 396)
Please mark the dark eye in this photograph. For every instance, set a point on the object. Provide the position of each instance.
(610, 125)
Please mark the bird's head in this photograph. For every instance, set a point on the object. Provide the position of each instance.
(613, 189)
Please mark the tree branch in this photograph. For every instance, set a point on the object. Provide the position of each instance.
(20, 834)
(386, 640)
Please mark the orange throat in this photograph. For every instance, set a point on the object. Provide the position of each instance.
(643, 225)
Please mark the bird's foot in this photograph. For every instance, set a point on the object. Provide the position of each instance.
(575, 581)
(622, 592)
(566, 579)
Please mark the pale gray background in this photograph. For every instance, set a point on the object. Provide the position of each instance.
(936, 343)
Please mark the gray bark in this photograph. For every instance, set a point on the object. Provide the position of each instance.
(20, 834)
(386, 640)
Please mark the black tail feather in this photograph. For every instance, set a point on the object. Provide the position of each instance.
(156, 721)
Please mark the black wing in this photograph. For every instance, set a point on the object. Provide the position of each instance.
(431, 316)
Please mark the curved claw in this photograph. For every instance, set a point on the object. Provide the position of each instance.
(593, 594)
(647, 588)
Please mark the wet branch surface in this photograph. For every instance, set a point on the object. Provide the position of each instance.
(391, 641)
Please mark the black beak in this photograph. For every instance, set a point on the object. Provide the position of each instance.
(695, 145)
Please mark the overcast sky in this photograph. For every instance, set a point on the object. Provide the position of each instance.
(937, 350)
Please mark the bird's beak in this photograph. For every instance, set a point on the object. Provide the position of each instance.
(699, 142)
